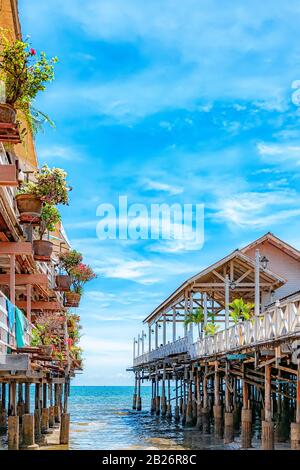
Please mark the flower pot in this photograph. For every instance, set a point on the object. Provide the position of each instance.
(29, 207)
(63, 282)
(42, 250)
(72, 299)
(47, 350)
(7, 114)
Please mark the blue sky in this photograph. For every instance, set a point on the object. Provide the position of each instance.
(175, 102)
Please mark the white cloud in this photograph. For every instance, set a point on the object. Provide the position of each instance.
(257, 210)
(279, 153)
(59, 152)
(164, 187)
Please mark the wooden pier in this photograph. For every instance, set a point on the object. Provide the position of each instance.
(246, 373)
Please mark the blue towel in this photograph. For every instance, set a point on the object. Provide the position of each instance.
(11, 314)
(21, 324)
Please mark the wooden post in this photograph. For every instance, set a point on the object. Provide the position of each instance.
(156, 335)
(177, 410)
(3, 414)
(205, 308)
(28, 302)
(37, 414)
(246, 417)
(205, 409)
(163, 394)
(295, 427)
(51, 407)
(65, 417)
(149, 337)
(257, 287)
(169, 407)
(198, 398)
(217, 409)
(13, 419)
(164, 330)
(267, 425)
(228, 417)
(135, 392)
(226, 310)
(139, 398)
(12, 284)
(174, 324)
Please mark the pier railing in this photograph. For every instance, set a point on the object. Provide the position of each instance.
(276, 322)
(177, 347)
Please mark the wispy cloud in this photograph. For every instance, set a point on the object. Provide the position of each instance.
(258, 210)
(163, 187)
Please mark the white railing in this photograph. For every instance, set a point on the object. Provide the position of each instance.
(277, 322)
(176, 347)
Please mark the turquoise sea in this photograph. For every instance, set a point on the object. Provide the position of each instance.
(102, 418)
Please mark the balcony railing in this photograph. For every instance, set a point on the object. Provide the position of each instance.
(277, 322)
(8, 340)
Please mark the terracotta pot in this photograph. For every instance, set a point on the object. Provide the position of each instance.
(63, 282)
(72, 299)
(42, 250)
(29, 207)
(47, 350)
(7, 114)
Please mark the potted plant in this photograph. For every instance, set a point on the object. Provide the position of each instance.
(67, 261)
(24, 74)
(50, 186)
(42, 339)
(211, 329)
(196, 318)
(81, 274)
(29, 204)
(43, 248)
(241, 311)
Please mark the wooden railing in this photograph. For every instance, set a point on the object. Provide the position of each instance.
(279, 321)
(176, 347)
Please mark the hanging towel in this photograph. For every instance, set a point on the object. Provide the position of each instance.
(21, 324)
(11, 314)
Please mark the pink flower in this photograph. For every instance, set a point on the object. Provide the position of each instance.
(32, 51)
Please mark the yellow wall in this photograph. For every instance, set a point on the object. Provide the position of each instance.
(9, 19)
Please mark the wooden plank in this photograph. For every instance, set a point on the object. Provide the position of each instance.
(15, 362)
(8, 175)
(15, 248)
(26, 279)
(40, 305)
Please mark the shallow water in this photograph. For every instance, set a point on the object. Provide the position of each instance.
(102, 419)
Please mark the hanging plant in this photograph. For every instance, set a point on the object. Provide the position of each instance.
(50, 217)
(81, 274)
(69, 259)
(50, 186)
(25, 73)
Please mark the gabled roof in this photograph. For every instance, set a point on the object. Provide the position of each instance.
(275, 241)
(237, 254)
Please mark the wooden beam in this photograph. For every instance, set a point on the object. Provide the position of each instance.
(12, 279)
(8, 175)
(14, 362)
(15, 248)
(40, 305)
(26, 279)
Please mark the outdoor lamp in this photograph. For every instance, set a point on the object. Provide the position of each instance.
(232, 285)
(264, 262)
